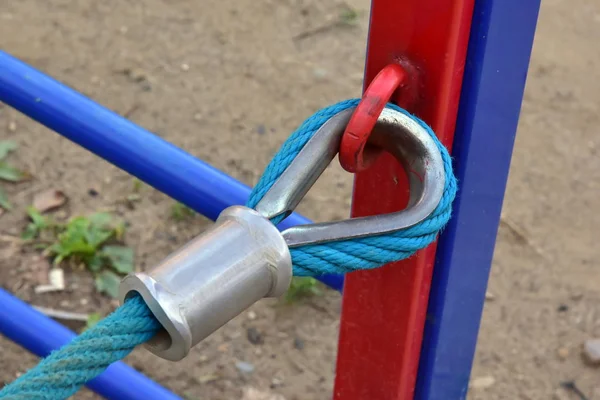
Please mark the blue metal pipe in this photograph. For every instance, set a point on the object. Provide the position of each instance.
(500, 45)
(29, 328)
(126, 145)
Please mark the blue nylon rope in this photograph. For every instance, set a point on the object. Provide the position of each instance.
(64, 371)
(364, 253)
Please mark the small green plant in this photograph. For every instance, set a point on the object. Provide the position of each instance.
(38, 224)
(90, 241)
(302, 287)
(180, 212)
(138, 185)
(83, 238)
(92, 320)
(7, 172)
(4, 203)
(349, 16)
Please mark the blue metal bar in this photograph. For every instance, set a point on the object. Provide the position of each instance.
(27, 327)
(497, 62)
(126, 145)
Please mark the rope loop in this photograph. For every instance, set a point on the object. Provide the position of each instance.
(364, 253)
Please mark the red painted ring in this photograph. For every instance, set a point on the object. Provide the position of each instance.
(354, 154)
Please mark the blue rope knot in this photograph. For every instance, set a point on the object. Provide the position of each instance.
(63, 372)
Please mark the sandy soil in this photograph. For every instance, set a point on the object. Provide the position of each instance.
(228, 82)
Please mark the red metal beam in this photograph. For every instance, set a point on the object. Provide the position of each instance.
(384, 310)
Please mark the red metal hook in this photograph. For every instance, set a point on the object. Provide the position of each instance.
(355, 155)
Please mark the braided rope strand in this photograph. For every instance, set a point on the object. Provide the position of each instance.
(64, 371)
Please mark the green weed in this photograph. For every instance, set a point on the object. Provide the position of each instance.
(90, 241)
(180, 212)
(92, 320)
(37, 226)
(138, 185)
(349, 16)
(302, 287)
(7, 172)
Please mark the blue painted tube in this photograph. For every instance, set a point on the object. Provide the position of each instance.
(497, 62)
(29, 328)
(126, 145)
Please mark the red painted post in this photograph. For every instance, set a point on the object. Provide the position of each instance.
(384, 310)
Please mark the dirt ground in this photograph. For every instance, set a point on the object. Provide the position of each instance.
(228, 81)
